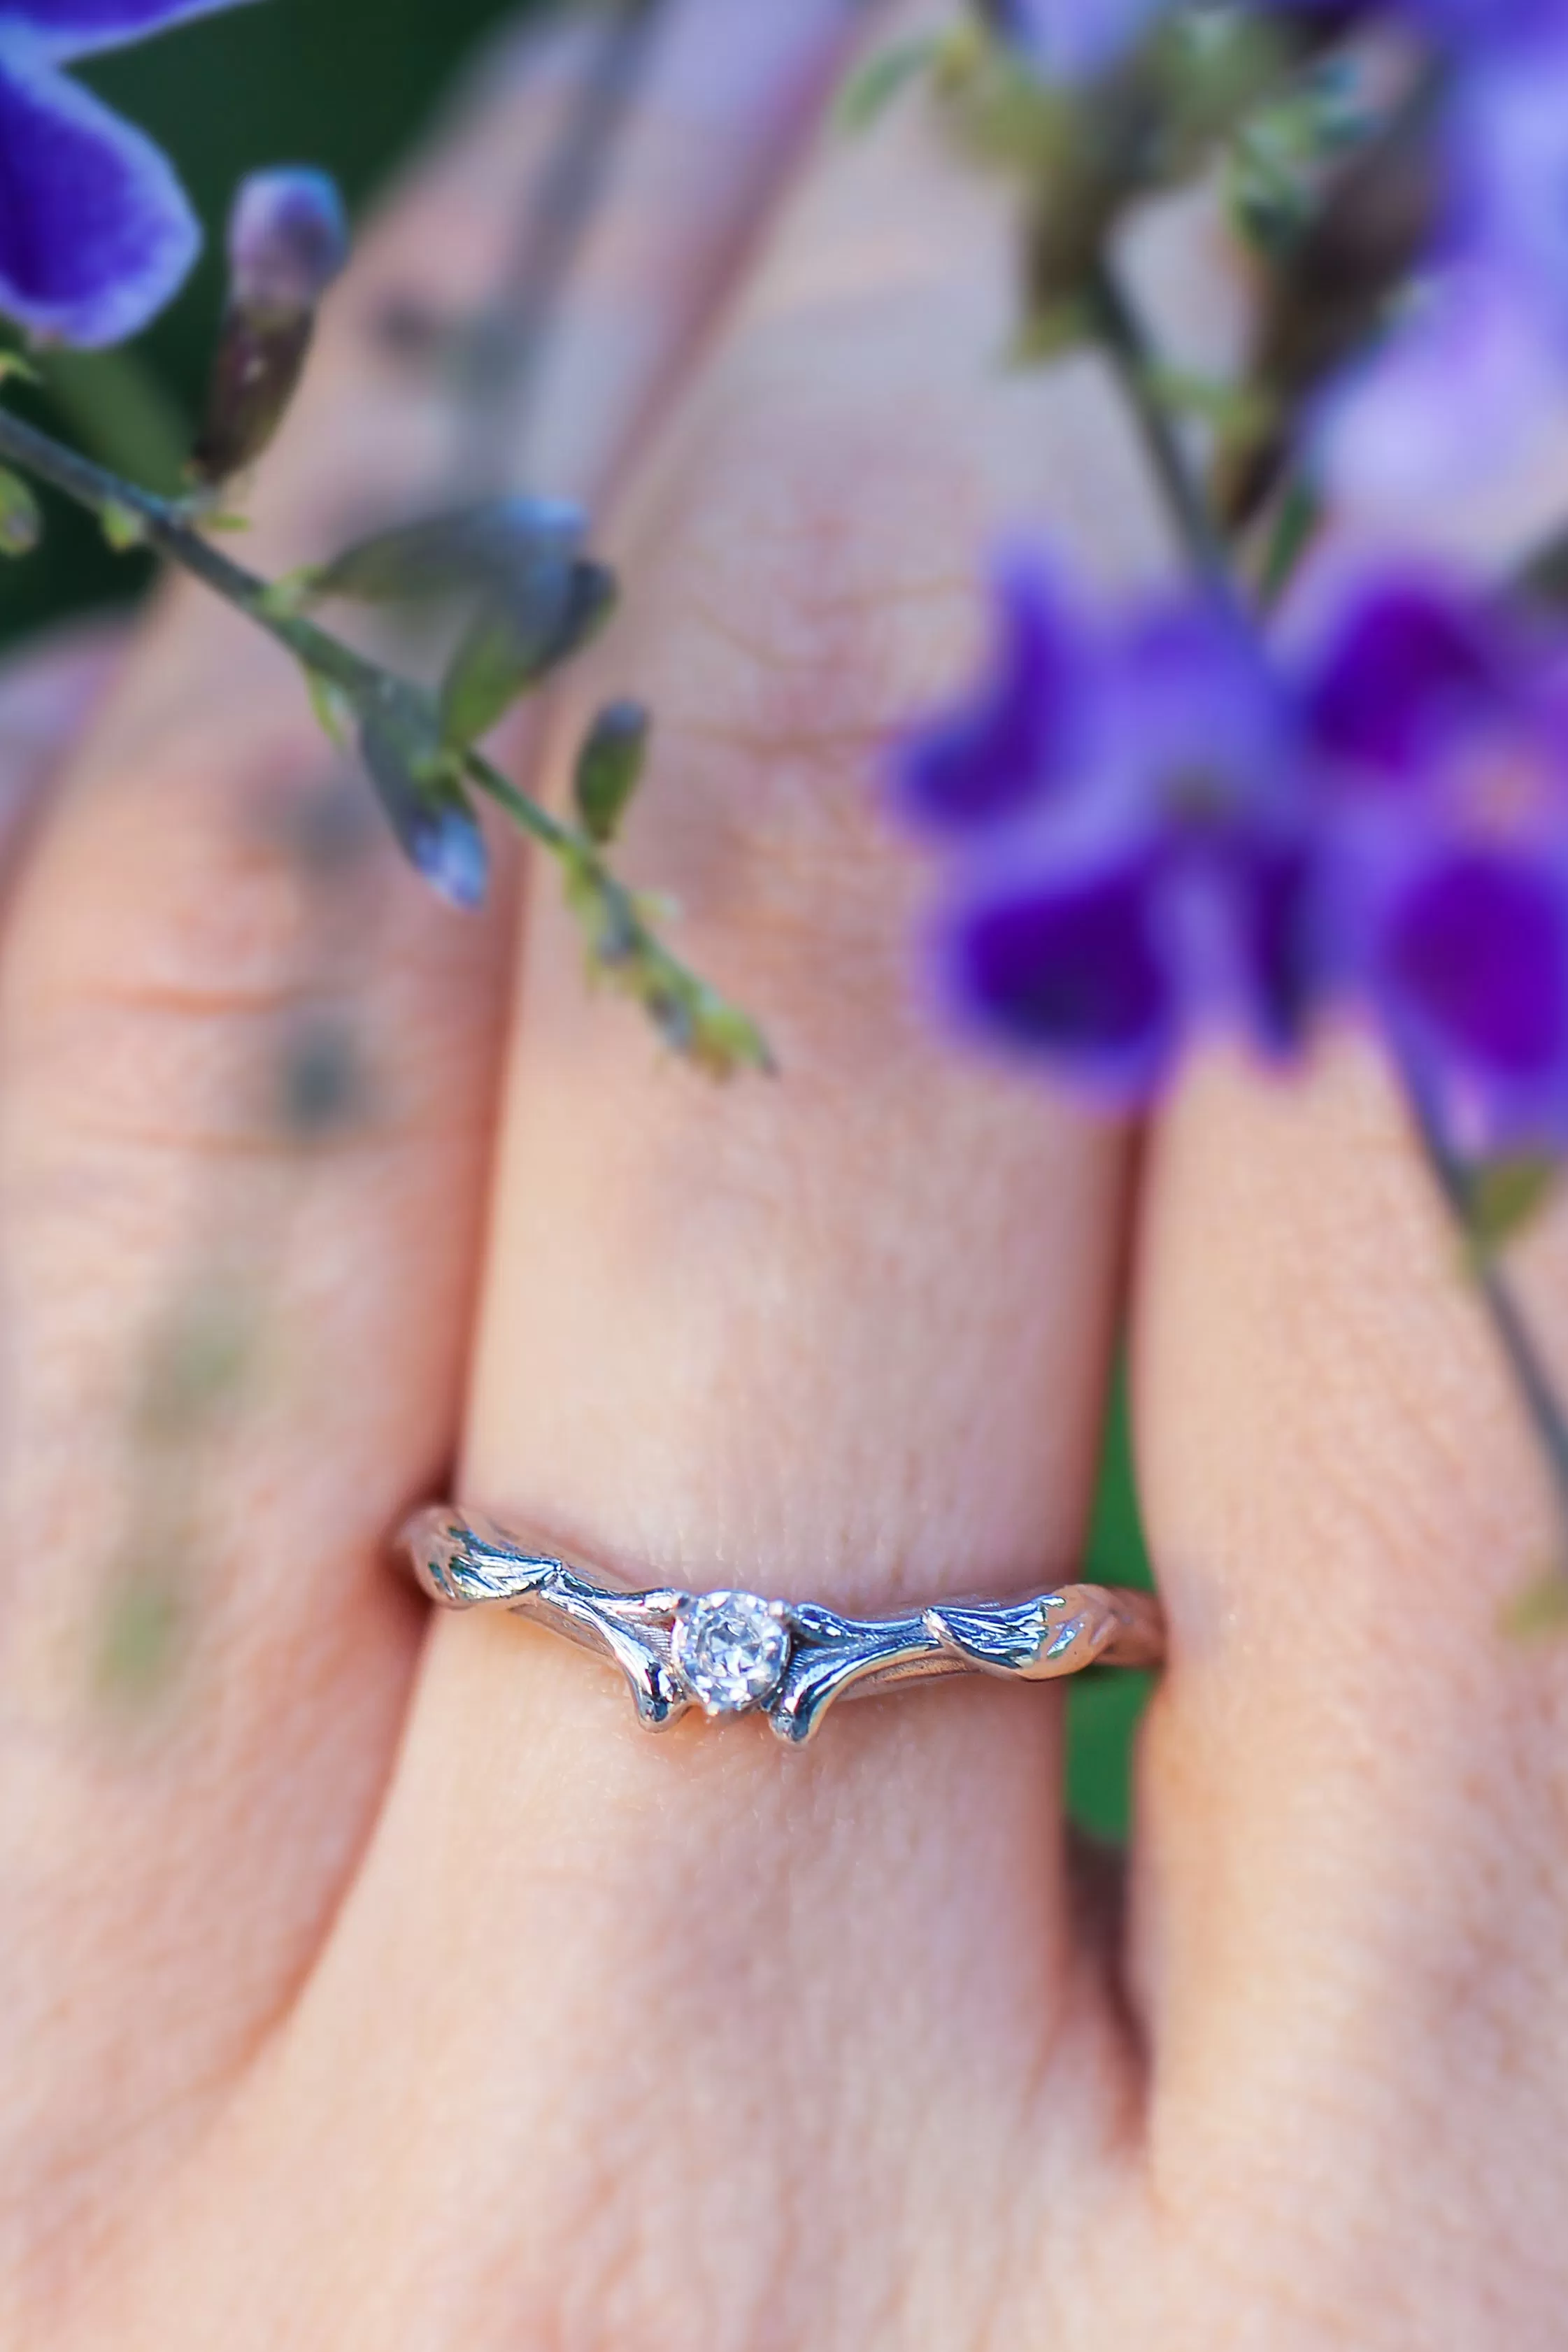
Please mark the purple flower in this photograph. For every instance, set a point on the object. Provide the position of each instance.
(1017, 740)
(1070, 41)
(1125, 822)
(96, 234)
(1476, 364)
(1440, 737)
(1151, 828)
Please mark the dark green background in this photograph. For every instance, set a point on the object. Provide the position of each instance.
(346, 84)
(342, 83)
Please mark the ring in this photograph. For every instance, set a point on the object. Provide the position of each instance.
(732, 1654)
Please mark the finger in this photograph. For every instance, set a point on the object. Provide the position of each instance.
(841, 1337)
(245, 1071)
(1355, 1891)
(49, 688)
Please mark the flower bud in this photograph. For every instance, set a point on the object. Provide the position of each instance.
(610, 768)
(288, 240)
(428, 808)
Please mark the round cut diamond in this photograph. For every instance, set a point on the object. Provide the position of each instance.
(730, 1650)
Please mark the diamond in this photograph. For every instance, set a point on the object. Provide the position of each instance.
(730, 1650)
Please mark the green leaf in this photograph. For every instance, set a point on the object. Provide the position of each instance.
(1230, 408)
(1275, 169)
(1504, 1197)
(501, 656)
(333, 710)
(123, 527)
(868, 92)
(21, 524)
(421, 789)
(514, 642)
(1050, 332)
(501, 544)
(610, 767)
(1296, 524)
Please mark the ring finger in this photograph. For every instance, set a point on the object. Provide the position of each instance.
(843, 1337)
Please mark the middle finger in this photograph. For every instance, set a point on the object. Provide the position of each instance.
(844, 1339)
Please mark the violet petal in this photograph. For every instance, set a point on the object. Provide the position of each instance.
(1010, 745)
(1471, 381)
(75, 28)
(95, 230)
(1476, 963)
(1072, 39)
(1279, 961)
(1409, 665)
(1071, 971)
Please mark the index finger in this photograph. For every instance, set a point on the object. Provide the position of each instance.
(204, 1667)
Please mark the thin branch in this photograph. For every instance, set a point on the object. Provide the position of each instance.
(1127, 346)
(165, 526)
(1526, 1365)
(624, 944)
(1292, 534)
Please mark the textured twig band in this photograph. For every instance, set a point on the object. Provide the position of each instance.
(737, 1653)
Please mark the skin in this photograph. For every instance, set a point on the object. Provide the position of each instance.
(371, 1982)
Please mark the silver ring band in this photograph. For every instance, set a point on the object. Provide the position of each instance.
(736, 1654)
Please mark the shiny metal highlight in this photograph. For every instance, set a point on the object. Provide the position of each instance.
(469, 1563)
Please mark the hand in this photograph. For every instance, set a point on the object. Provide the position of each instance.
(368, 1982)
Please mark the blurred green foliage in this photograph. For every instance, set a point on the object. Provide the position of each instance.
(1103, 1708)
(347, 84)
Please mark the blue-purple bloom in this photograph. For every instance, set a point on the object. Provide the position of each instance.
(1069, 40)
(96, 232)
(1476, 362)
(1124, 811)
(1440, 729)
(1151, 829)
(1478, 365)
(288, 239)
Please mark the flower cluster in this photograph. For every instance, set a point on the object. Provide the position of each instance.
(1473, 357)
(1156, 825)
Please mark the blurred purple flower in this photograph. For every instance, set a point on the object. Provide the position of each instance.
(288, 239)
(1070, 41)
(96, 232)
(1439, 732)
(1149, 832)
(1123, 811)
(1017, 740)
(1478, 362)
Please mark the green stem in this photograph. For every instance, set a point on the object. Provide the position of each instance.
(1526, 1365)
(529, 815)
(691, 1015)
(1295, 527)
(1128, 348)
(167, 527)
